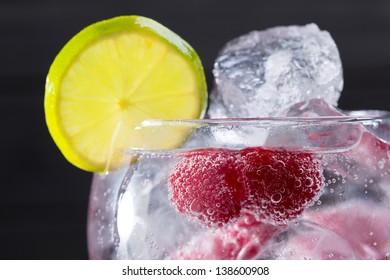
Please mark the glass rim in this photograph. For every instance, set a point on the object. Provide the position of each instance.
(352, 116)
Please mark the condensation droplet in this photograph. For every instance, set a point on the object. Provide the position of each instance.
(331, 190)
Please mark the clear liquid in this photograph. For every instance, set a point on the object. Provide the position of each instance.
(131, 214)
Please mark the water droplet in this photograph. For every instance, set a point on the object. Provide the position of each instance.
(355, 177)
(331, 190)
(276, 197)
(371, 233)
(210, 211)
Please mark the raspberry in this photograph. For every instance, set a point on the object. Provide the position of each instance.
(280, 184)
(204, 186)
(215, 186)
(245, 239)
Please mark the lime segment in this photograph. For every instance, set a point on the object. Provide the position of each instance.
(110, 77)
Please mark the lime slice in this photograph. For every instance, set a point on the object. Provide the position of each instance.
(110, 77)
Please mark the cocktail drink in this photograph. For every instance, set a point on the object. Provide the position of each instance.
(272, 170)
(271, 188)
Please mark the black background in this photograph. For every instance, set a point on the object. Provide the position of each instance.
(44, 199)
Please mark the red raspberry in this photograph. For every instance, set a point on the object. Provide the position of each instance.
(280, 184)
(245, 239)
(215, 185)
(204, 186)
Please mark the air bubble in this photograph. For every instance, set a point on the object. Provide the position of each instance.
(195, 207)
(381, 163)
(280, 164)
(276, 197)
(309, 182)
(297, 183)
(210, 211)
(331, 190)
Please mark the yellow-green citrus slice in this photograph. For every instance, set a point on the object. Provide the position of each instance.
(110, 77)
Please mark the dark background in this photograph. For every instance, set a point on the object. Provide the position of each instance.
(44, 199)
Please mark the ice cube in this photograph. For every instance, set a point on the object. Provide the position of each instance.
(264, 72)
(308, 241)
(324, 134)
(144, 211)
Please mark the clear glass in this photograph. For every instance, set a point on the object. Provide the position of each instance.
(133, 215)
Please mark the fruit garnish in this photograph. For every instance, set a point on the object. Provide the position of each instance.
(280, 184)
(204, 186)
(110, 77)
(215, 186)
(245, 239)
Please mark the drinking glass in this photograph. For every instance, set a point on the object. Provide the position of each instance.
(132, 216)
